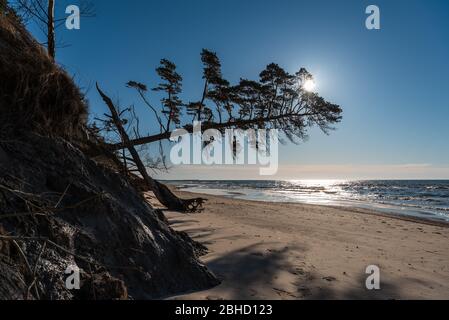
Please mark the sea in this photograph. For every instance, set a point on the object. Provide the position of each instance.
(425, 199)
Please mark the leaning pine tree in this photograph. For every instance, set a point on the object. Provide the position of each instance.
(278, 100)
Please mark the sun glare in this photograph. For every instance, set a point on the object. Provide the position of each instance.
(309, 85)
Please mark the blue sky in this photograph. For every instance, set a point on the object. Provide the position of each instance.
(393, 83)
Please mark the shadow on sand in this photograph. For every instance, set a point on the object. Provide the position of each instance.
(252, 272)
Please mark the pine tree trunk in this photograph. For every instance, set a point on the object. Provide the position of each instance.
(165, 196)
(51, 30)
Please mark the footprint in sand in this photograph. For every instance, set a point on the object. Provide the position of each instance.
(330, 279)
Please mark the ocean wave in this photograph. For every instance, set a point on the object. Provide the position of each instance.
(407, 197)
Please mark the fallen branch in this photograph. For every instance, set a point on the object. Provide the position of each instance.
(161, 191)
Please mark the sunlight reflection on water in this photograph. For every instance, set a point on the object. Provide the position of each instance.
(425, 199)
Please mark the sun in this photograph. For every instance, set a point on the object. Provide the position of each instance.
(309, 85)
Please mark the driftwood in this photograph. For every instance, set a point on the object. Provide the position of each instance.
(165, 196)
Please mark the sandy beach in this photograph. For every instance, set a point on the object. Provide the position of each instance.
(292, 251)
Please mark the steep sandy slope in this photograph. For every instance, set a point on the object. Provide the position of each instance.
(59, 208)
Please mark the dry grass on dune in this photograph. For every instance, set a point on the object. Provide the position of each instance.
(34, 92)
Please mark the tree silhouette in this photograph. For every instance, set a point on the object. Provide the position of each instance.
(172, 86)
(215, 89)
(278, 100)
(42, 12)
